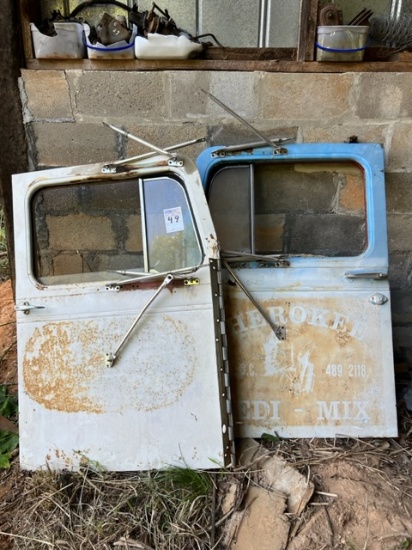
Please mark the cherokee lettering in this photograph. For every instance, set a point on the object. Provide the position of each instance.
(298, 315)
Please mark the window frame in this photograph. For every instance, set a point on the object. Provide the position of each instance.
(47, 280)
(253, 169)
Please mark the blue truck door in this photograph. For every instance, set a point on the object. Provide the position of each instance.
(303, 237)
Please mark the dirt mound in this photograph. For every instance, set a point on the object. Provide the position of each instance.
(365, 507)
(8, 349)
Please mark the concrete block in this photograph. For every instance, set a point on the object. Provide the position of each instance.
(399, 192)
(399, 232)
(237, 90)
(384, 96)
(122, 196)
(300, 96)
(399, 156)
(56, 201)
(187, 101)
(134, 241)
(352, 194)
(46, 95)
(104, 94)
(326, 234)
(66, 264)
(400, 270)
(165, 135)
(76, 231)
(66, 144)
(237, 133)
(269, 232)
(118, 261)
(379, 96)
(283, 191)
(340, 133)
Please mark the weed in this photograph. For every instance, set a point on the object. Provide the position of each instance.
(4, 262)
(270, 438)
(404, 544)
(190, 483)
(8, 440)
(8, 403)
(3, 241)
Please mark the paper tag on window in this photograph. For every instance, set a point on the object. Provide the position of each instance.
(173, 219)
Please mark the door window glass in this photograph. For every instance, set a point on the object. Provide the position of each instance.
(171, 237)
(312, 208)
(229, 203)
(95, 231)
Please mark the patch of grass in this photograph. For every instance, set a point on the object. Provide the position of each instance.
(190, 483)
(159, 510)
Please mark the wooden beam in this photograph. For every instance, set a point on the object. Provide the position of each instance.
(307, 30)
(277, 66)
(249, 54)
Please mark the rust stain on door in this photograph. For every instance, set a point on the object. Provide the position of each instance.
(323, 374)
(64, 366)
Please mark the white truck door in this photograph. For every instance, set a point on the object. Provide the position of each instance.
(121, 338)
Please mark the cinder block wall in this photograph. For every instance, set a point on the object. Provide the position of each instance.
(64, 111)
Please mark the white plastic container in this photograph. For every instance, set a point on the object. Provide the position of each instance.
(341, 43)
(119, 50)
(67, 44)
(159, 46)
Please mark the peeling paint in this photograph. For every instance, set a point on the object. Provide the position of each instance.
(326, 373)
(64, 366)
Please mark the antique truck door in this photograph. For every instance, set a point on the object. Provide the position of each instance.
(121, 339)
(304, 243)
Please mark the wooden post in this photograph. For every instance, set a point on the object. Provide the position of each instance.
(29, 12)
(307, 30)
(13, 149)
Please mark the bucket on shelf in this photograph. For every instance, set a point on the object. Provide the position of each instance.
(159, 46)
(341, 43)
(66, 44)
(118, 50)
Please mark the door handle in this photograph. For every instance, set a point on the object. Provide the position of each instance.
(377, 275)
(26, 307)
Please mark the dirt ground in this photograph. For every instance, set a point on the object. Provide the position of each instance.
(361, 497)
